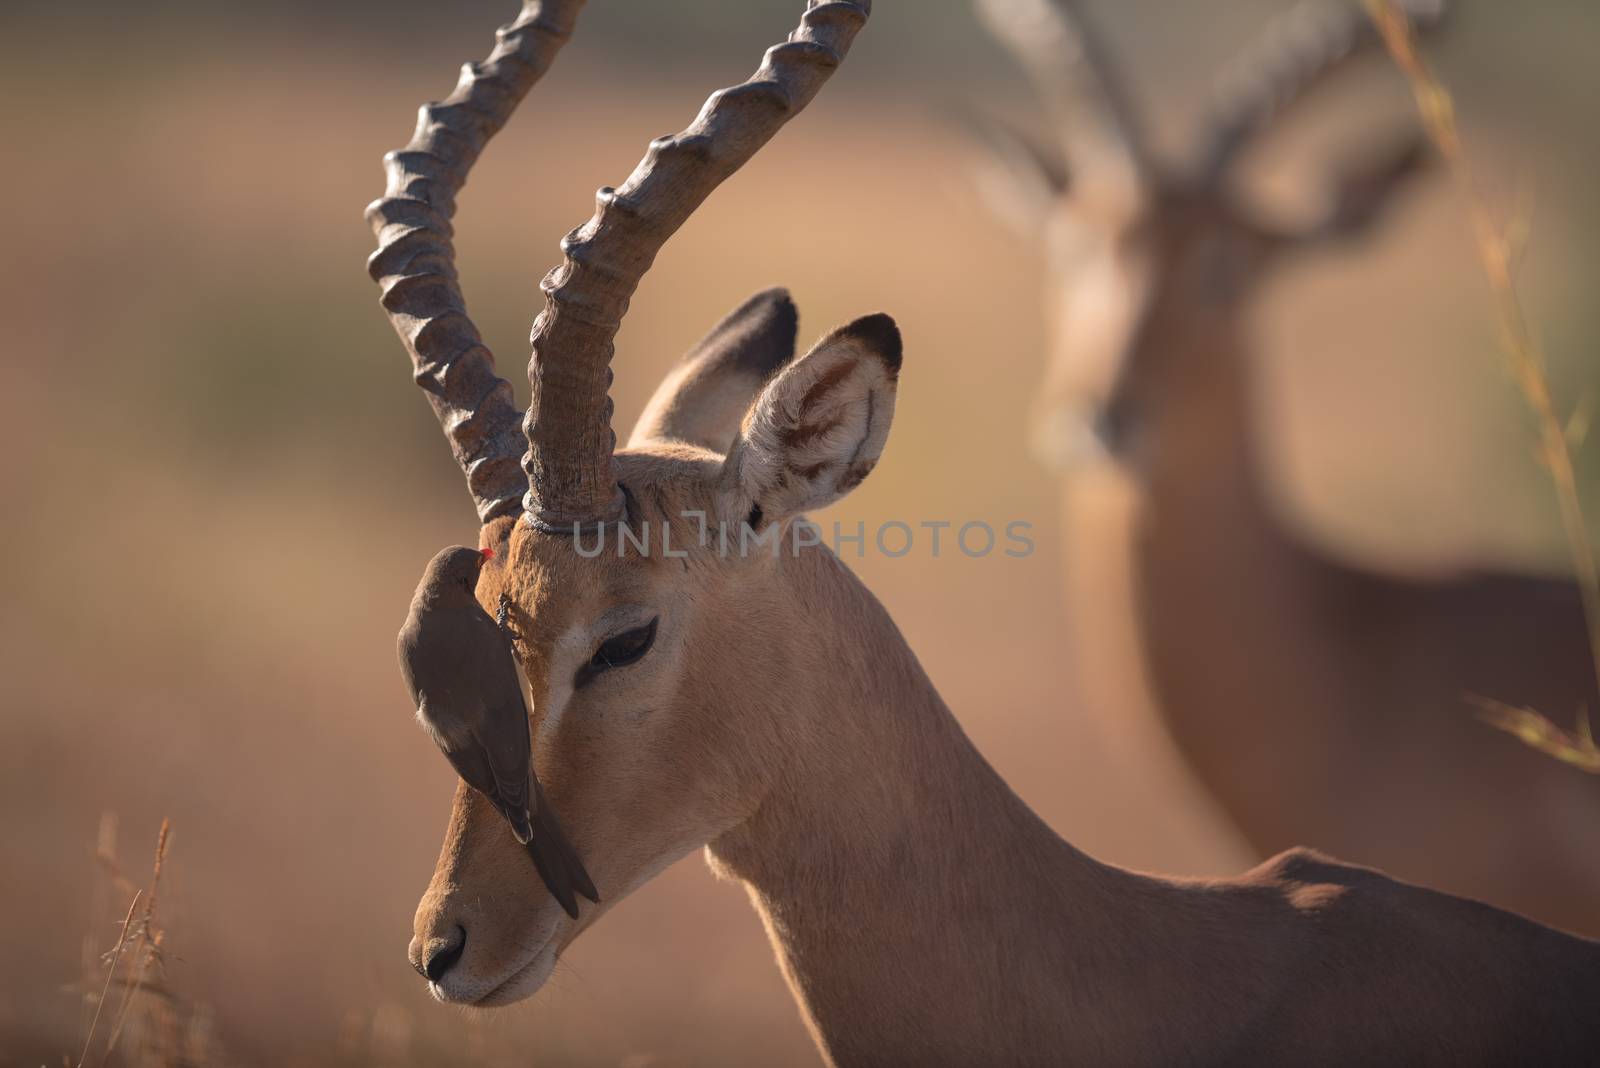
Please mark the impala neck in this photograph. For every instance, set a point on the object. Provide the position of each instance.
(1208, 526)
(1205, 456)
(891, 864)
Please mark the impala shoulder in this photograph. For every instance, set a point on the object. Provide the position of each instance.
(1302, 865)
(1313, 881)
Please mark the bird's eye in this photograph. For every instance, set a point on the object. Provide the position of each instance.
(626, 648)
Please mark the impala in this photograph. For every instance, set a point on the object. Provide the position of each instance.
(766, 708)
(1320, 703)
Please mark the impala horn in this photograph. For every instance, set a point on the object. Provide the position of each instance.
(570, 478)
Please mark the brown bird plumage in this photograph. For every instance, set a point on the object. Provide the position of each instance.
(462, 674)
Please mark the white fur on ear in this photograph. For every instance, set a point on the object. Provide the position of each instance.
(818, 428)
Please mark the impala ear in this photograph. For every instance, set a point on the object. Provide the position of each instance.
(1360, 192)
(702, 400)
(1017, 178)
(818, 427)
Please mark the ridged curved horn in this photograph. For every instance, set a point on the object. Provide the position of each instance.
(1074, 75)
(568, 426)
(415, 260)
(1296, 53)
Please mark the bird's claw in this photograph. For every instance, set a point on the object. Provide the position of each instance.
(502, 618)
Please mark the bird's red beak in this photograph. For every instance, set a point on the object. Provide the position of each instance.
(486, 552)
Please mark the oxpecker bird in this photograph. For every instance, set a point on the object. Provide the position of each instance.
(462, 673)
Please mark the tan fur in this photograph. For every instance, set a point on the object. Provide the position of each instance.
(922, 914)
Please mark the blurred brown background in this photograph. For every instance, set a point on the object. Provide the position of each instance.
(220, 483)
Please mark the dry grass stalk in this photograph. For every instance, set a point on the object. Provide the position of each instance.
(1576, 747)
(1497, 252)
(148, 955)
(111, 974)
(148, 1025)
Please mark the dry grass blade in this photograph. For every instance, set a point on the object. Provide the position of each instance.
(149, 1024)
(149, 942)
(111, 973)
(1576, 747)
(1498, 248)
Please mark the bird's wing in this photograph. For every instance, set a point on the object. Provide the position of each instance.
(462, 674)
(495, 777)
(471, 762)
(410, 642)
(506, 753)
(502, 728)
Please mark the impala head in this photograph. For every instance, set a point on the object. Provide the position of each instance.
(649, 619)
(1152, 264)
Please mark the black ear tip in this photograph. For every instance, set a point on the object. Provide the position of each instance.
(880, 334)
(765, 327)
(775, 303)
(773, 295)
(782, 308)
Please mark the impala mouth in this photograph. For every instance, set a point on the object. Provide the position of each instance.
(526, 980)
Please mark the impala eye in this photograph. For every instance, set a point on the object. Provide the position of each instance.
(626, 648)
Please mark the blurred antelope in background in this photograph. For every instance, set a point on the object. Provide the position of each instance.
(1320, 703)
(764, 706)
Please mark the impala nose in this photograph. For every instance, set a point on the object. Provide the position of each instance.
(436, 956)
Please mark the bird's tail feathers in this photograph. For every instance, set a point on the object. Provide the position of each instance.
(569, 855)
(545, 850)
